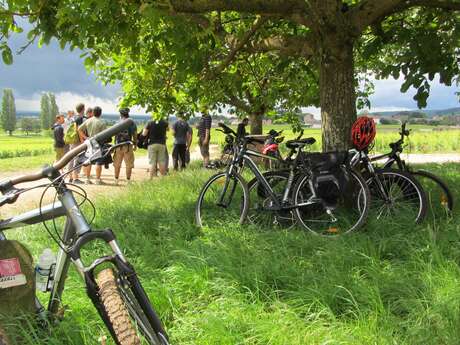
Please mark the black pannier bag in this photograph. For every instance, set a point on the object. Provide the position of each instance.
(330, 177)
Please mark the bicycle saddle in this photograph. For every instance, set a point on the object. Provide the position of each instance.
(299, 143)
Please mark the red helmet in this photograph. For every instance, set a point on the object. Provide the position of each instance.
(363, 132)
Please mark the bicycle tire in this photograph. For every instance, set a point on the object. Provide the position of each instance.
(241, 206)
(284, 219)
(393, 177)
(362, 206)
(447, 199)
(124, 317)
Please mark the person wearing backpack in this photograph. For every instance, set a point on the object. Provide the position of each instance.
(72, 138)
(58, 134)
(125, 152)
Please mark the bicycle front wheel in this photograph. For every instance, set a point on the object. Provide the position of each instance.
(396, 195)
(130, 324)
(337, 208)
(439, 197)
(223, 199)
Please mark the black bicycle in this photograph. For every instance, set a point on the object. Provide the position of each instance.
(395, 194)
(324, 195)
(111, 281)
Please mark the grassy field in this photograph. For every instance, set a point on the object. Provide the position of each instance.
(423, 139)
(390, 283)
(27, 152)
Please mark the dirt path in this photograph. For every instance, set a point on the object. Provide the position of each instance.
(30, 200)
(420, 158)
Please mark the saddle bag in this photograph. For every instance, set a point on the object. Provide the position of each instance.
(329, 174)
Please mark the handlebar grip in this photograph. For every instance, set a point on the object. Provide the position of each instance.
(105, 135)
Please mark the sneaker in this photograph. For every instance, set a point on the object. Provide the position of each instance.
(116, 182)
(88, 181)
(99, 181)
(77, 181)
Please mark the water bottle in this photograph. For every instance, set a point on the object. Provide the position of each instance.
(43, 270)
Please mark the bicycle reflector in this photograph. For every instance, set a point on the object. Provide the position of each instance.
(363, 132)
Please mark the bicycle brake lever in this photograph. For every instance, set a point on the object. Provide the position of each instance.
(10, 198)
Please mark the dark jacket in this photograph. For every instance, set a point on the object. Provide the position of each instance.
(58, 132)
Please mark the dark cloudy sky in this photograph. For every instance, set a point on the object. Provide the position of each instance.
(60, 71)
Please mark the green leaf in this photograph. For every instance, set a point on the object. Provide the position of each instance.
(7, 56)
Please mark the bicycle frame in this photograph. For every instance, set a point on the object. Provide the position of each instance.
(242, 156)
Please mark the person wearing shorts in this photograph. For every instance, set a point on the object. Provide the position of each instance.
(88, 129)
(204, 136)
(125, 152)
(155, 130)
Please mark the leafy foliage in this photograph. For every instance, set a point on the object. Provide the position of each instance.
(8, 111)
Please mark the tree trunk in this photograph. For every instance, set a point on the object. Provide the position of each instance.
(337, 94)
(255, 120)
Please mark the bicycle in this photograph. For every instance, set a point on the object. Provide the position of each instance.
(322, 199)
(438, 193)
(394, 193)
(116, 292)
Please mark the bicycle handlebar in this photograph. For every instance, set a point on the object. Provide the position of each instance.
(100, 138)
(226, 129)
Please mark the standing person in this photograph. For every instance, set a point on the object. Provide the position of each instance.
(78, 120)
(156, 132)
(204, 135)
(241, 130)
(125, 152)
(90, 128)
(58, 133)
(189, 145)
(182, 134)
(89, 113)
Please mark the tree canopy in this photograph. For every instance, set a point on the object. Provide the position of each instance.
(177, 52)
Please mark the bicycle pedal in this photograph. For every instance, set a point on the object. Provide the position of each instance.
(60, 313)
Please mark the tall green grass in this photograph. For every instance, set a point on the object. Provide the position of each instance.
(390, 283)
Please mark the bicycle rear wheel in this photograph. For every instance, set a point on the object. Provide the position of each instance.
(223, 199)
(396, 195)
(344, 211)
(259, 212)
(130, 325)
(439, 197)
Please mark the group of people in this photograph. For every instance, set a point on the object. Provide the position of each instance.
(73, 128)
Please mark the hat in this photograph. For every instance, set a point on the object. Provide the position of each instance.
(124, 111)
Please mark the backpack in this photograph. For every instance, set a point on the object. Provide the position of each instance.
(142, 141)
(71, 135)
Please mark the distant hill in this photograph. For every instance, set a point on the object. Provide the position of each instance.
(430, 113)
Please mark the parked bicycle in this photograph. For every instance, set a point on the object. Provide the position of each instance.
(440, 198)
(111, 281)
(325, 196)
(394, 193)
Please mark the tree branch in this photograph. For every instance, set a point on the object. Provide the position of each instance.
(238, 45)
(285, 45)
(249, 6)
(370, 12)
(238, 103)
